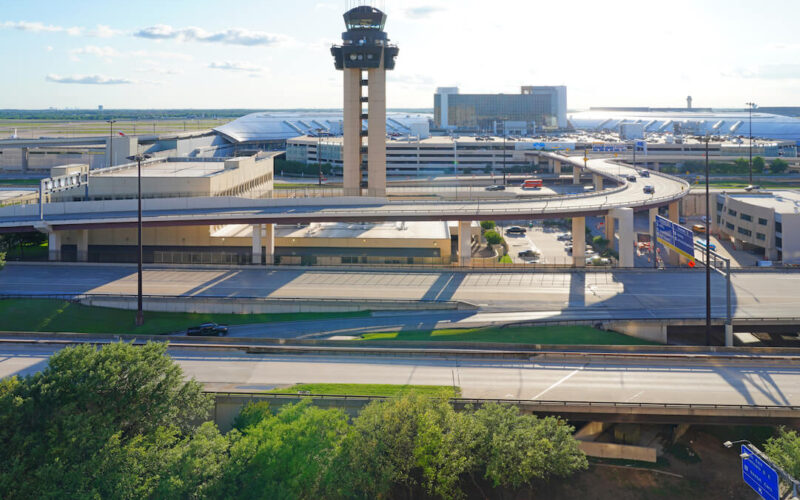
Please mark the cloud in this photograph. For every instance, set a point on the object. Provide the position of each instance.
(421, 12)
(233, 36)
(106, 53)
(236, 66)
(103, 31)
(767, 72)
(88, 79)
(37, 27)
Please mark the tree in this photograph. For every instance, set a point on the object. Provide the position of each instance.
(784, 450)
(286, 455)
(88, 407)
(778, 166)
(758, 164)
(487, 224)
(520, 448)
(493, 237)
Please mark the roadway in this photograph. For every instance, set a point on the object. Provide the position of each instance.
(233, 210)
(679, 382)
(500, 297)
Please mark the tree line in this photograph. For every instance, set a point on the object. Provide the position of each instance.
(122, 422)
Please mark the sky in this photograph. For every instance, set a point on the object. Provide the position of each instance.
(274, 54)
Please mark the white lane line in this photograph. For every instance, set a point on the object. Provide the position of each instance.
(563, 379)
(634, 396)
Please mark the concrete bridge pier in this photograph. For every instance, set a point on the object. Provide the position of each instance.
(626, 240)
(269, 243)
(83, 245)
(576, 174)
(657, 167)
(464, 243)
(256, 243)
(608, 227)
(54, 246)
(579, 241)
(556, 167)
(598, 182)
(25, 163)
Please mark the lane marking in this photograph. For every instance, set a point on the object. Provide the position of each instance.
(563, 379)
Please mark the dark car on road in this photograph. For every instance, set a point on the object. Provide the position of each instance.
(528, 253)
(496, 187)
(649, 189)
(516, 230)
(644, 173)
(207, 330)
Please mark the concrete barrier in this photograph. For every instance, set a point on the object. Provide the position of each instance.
(618, 451)
(238, 305)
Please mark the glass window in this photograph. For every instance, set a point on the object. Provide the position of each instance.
(719, 206)
(778, 227)
(761, 236)
(746, 217)
(778, 242)
(744, 231)
(731, 211)
(729, 225)
(761, 221)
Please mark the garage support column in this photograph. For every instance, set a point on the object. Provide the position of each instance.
(54, 246)
(556, 167)
(579, 241)
(728, 335)
(657, 167)
(576, 174)
(269, 244)
(651, 218)
(256, 243)
(625, 250)
(598, 182)
(674, 212)
(464, 243)
(609, 229)
(83, 245)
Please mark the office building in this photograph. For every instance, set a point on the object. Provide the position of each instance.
(535, 108)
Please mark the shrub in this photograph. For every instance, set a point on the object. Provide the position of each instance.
(487, 224)
(492, 237)
(778, 166)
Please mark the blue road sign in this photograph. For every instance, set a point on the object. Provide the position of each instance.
(759, 475)
(675, 237)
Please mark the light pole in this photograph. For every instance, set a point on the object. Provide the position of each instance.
(750, 107)
(111, 142)
(138, 159)
(504, 152)
(708, 254)
(794, 483)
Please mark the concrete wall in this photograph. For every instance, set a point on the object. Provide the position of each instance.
(618, 451)
(646, 330)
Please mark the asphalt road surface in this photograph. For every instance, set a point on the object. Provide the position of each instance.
(590, 295)
(676, 382)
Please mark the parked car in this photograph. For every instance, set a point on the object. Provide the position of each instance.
(699, 228)
(528, 253)
(207, 330)
(496, 187)
(631, 178)
(564, 237)
(681, 220)
(751, 187)
(644, 173)
(703, 243)
(598, 261)
(648, 189)
(516, 230)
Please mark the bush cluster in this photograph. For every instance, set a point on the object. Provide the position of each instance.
(121, 422)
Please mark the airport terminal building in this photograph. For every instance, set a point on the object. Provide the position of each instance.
(534, 109)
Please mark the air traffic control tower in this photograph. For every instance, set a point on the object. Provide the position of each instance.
(364, 56)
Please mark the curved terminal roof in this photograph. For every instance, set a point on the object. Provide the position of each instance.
(730, 123)
(281, 126)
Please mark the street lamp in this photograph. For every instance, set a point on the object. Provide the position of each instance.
(111, 141)
(319, 160)
(708, 253)
(138, 159)
(763, 456)
(750, 107)
(504, 152)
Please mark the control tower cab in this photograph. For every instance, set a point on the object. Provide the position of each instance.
(364, 56)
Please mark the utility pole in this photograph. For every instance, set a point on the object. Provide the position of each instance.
(708, 255)
(750, 107)
(111, 141)
(138, 159)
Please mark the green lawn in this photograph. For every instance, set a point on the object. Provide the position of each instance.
(29, 252)
(19, 182)
(46, 315)
(371, 389)
(558, 335)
